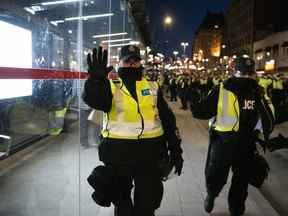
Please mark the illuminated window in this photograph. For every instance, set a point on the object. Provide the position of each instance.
(16, 51)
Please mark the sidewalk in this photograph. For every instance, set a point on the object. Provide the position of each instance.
(46, 181)
(184, 195)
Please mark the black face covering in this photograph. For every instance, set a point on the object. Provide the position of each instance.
(133, 74)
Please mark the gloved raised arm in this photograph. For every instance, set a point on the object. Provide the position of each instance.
(97, 91)
(171, 133)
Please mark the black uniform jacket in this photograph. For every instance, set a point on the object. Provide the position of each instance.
(252, 105)
(97, 94)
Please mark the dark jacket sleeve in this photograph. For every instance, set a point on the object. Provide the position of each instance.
(267, 118)
(206, 107)
(97, 94)
(168, 120)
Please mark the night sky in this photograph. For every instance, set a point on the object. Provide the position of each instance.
(187, 15)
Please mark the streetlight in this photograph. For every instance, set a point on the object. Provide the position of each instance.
(168, 20)
(184, 44)
(175, 53)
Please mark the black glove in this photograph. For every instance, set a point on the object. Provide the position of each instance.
(177, 161)
(97, 66)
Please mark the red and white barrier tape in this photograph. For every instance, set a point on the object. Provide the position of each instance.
(31, 73)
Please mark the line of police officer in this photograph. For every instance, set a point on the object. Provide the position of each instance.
(183, 84)
(140, 132)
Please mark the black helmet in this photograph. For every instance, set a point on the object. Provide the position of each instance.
(244, 65)
(130, 51)
(102, 180)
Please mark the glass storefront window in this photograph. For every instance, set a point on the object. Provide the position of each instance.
(42, 115)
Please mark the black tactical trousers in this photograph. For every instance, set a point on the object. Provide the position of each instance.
(223, 156)
(184, 98)
(148, 189)
(184, 102)
(173, 92)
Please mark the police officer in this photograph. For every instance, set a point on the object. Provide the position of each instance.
(173, 88)
(278, 98)
(137, 125)
(240, 114)
(204, 87)
(183, 85)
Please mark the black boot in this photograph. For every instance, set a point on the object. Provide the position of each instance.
(235, 214)
(125, 208)
(240, 211)
(209, 203)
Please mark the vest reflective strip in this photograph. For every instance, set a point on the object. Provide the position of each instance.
(124, 121)
(182, 84)
(227, 116)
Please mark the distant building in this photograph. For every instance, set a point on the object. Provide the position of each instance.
(208, 39)
(252, 20)
(271, 53)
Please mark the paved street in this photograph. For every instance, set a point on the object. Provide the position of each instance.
(45, 180)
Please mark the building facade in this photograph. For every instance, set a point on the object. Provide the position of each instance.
(252, 20)
(208, 39)
(271, 53)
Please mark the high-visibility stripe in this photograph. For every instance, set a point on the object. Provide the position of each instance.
(31, 73)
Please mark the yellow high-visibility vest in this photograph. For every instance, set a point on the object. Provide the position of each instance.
(59, 116)
(278, 84)
(228, 113)
(203, 81)
(264, 82)
(128, 119)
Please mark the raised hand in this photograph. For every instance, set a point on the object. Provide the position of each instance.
(97, 64)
